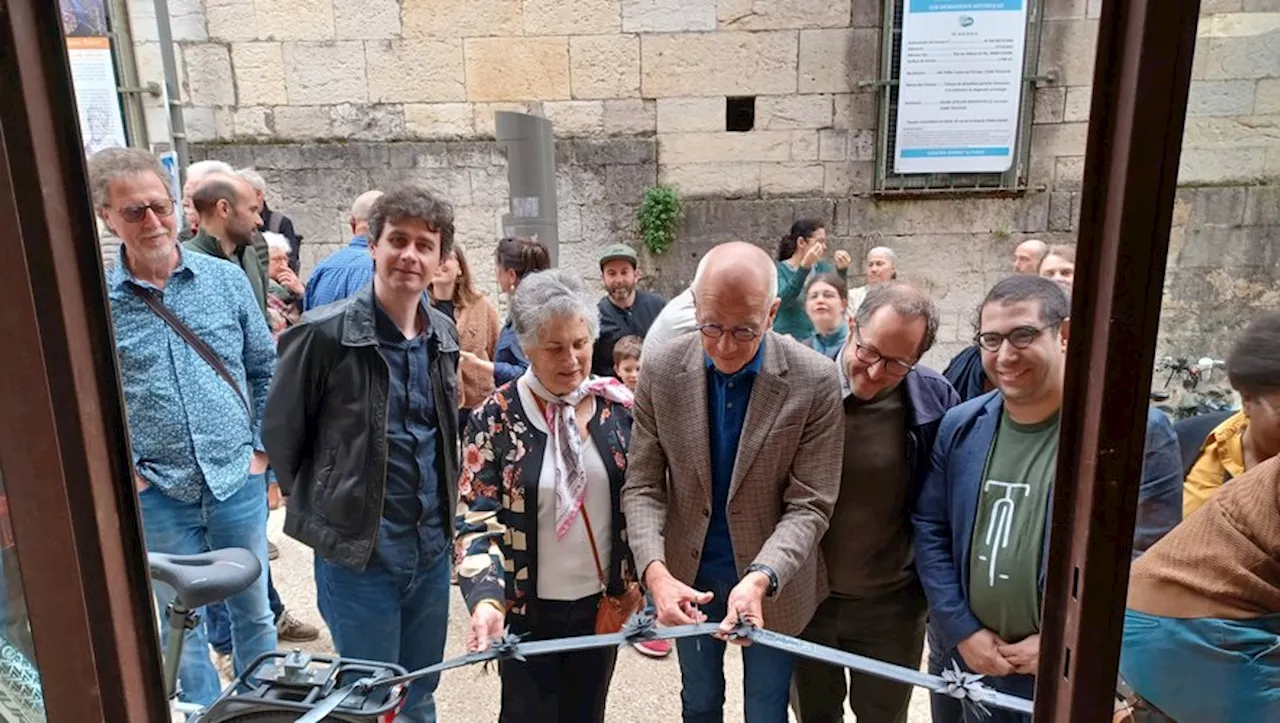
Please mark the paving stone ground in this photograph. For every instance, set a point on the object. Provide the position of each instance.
(644, 690)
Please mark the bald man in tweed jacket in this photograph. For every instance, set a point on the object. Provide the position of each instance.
(733, 473)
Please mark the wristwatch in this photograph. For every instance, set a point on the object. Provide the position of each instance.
(768, 572)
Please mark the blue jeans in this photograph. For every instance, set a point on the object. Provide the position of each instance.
(218, 624)
(401, 618)
(182, 528)
(1203, 669)
(766, 673)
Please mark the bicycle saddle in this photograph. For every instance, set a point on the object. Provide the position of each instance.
(207, 577)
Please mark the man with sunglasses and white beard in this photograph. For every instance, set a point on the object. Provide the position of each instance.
(195, 427)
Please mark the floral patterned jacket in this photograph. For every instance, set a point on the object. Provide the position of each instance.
(497, 527)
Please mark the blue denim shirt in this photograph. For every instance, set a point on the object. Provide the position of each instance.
(412, 532)
(727, 398)
(509, 361)
(187, 427)
(342, 274)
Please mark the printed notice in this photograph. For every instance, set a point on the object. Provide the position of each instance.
(93, 74)
(960, 85)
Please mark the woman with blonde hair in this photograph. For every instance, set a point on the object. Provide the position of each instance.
(453, 291)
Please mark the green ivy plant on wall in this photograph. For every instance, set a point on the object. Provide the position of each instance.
(658, 216)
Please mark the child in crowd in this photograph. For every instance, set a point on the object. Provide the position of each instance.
(626, 360)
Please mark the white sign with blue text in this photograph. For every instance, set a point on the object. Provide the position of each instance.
(960, 85)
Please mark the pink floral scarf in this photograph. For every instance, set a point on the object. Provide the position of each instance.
(566, 443)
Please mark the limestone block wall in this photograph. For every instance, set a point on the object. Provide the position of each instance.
(637, 89)
(598, 181)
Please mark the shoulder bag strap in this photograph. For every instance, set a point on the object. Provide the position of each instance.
(195, 342)
(595, 553)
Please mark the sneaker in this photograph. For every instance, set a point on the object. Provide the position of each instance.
(654, 648)
(272, 550)
(294, 630)
(225, 665)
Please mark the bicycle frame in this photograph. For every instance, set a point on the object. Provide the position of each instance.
(179, 620)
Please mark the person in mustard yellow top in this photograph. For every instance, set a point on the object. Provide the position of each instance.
(1252, 435)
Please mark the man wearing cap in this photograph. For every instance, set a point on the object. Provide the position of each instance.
(625, 310)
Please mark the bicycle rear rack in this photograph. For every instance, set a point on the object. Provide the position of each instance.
(294, 682)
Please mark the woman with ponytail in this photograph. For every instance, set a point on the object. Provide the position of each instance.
(800, 255)
(515, 259)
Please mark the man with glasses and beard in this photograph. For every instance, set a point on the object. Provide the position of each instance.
(982, 517)
(625, 310)
(892, 408)
(194, 429)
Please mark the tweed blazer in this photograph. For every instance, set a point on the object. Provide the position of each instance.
(785, 479)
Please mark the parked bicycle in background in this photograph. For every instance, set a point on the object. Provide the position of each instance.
(1187, 399)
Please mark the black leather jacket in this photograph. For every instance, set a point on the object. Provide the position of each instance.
(325, 426)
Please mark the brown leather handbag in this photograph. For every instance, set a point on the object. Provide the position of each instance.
(613, 610)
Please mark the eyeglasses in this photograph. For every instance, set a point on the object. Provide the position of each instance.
(869, 356)
(134, 214)
(740, 333)
(1020, 338)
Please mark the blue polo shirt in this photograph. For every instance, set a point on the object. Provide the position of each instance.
(412, 531)
(727, 398)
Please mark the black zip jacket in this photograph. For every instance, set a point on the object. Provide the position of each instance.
(325, 426)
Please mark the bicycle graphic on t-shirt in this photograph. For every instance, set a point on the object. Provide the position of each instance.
(1000, 525)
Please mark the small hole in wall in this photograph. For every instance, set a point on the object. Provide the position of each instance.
(740, 114)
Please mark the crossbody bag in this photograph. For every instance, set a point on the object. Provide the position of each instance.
(192, 339)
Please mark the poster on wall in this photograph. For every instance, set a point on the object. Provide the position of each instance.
(960, 85)
(169, 160)
(93, 74)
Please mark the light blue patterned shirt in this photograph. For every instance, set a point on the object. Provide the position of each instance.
(188, 427)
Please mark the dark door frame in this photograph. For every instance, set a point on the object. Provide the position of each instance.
(1141, 78)
(63, 443)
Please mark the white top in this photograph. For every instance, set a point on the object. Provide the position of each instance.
(676, 319)
(856, 297)
(566, 567)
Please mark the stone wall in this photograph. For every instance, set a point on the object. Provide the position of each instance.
(598, 183)
(328, 97)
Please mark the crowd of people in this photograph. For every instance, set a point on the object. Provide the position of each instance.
(766, 446)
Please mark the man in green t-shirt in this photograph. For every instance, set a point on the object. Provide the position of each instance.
(1008, 531)
(981, 520)
(982, 514)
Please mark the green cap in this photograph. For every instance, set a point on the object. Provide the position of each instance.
(619, 251)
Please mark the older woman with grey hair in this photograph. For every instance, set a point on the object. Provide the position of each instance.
(540, 530)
